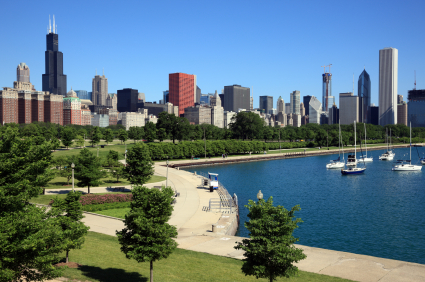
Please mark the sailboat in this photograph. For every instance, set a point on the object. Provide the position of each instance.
(407, 164)
(389, 154)
(365, 158)
(353, 170)
(337, 163)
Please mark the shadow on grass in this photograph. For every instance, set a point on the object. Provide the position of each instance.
(111, 274)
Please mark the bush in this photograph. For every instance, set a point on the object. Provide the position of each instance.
(94, 199)
(107, 206)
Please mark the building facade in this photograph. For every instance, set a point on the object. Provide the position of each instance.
(24, 106)
(280, 105)
(402, 113)
(227, 117)
(198, 114)
(326, 90)
(236, 97)
(364, 94)
(23, 73)
(182, 90)
(416, 107)
(130, 119)
(217, 111)
(127, 100)
(295, 102)
(333, 117)
(71, 109)
(53, 108)
(266, 104)
(348, 108)
(306, 102)
(99, 90)
(388, 85)
(315, 110)
(100, 120)
(9, 106)
(37, 106)
(54, 80)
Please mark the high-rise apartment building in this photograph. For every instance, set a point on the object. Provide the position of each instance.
(236, 97)
(99, 90)
(23, 73)
(364, 94)
(326, 90)
(9, 105)
(182, 90)
(54, 80)
(402, 113)
(71, 109)
(388, 83)
(280, 106)
(127, 100)
(306, 101)
(53, 108)
(288, 108)
(416, 107)
(198, 114)
(399, 99)
(112, 101)
(348, 108)
(266, 103)
(315, 110)
(302, 110)
(24, 106)
(333, 117)
(295, 97)
(37, 106)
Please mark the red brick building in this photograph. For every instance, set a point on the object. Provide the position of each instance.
(8, 105)
(113, 115)
(24, 106)
(37, 106)
(182, 90)
(53, 108)
(85, 116)
(71, 108)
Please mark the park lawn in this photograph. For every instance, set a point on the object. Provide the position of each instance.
(103, 152)
(61, 182)
(45, 199)
(102, 260)
(118, 213)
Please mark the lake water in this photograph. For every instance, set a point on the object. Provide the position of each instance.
(380, 213)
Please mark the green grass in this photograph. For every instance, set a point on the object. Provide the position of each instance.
(119, 213)
(61, 182)
(102, 260)
(102, 152)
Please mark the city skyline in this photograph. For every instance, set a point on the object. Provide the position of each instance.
(266, 69)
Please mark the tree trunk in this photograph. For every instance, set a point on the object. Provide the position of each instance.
(89, 189)
(67, 257)
(151, 280)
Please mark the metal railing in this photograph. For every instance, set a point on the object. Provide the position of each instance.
(226, 203)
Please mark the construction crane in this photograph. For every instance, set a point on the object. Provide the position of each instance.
(324, 68)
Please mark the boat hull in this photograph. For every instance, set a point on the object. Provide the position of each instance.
(366, 160)
(352, 171)
(407, 167)
(335, 165)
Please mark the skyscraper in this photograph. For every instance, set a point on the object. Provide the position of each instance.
(388, 78)
(280, 106)
(236, 97)
(182, 90)
(416, 107)
(23, 73)
(295, 102)
(127, 100)
(54, 80)
(363, 88)
(306, 101)
(266, 103)
(326, 89)
(348, 108)
(99, 90)
(315, 109)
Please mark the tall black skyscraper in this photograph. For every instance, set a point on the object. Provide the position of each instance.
(364, 97)
(54, 80)
(306, 101)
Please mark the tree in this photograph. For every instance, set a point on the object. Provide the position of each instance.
(88, 169)
(139, 164)
(80, 141)
(73, 228)
(270, 250)
(247, 125)
(147, 236)
(111, 158)
(118, 171)
(108, 135)
(95, 136)
(122, 135)
(67, 169)
(161, 134)
(133, 133)
(30, 238)
(267, 133)
(150, 131)
(176, 127)
(67, 136)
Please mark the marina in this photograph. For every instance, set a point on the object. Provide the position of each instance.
(379, 213)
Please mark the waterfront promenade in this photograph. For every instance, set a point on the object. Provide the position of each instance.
(194, 226)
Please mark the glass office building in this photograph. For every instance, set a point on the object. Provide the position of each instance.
(364, 97)
(83, 94)
(326, 91)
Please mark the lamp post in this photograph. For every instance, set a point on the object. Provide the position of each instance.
(166, 182)
(72, 166)
(259, 195)
(97, 151)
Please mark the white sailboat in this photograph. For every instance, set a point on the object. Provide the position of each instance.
(389, 154)
(353, 170)
(365, 158)
(407, 164)
(338, 163)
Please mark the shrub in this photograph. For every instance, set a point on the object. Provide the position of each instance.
(94, 199)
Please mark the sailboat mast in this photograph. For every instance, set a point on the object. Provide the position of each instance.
(365, 144)
(355, 151)
(410, 142)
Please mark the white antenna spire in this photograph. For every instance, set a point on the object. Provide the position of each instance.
(53, 23)
(50, 25)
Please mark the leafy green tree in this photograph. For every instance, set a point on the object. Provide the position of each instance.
(118, 171)
(150, 131)
(108, 135)
(176, 127)
(161, 134)
(139, 164)
(67, 136)
(30, 238)
(270, 250)
(111, 158)
(133, 133)
(70, 213)
(247, 125)
(80, 141)
(122, 135)
(60, 161)
(268, 133)
(88, 169)
(67, 169)
(147, 236)
(95, 136)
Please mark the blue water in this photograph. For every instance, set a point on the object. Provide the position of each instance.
(380, 213)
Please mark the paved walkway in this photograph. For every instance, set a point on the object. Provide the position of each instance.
(194, 227)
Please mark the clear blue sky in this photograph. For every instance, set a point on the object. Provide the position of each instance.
(274, 47)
